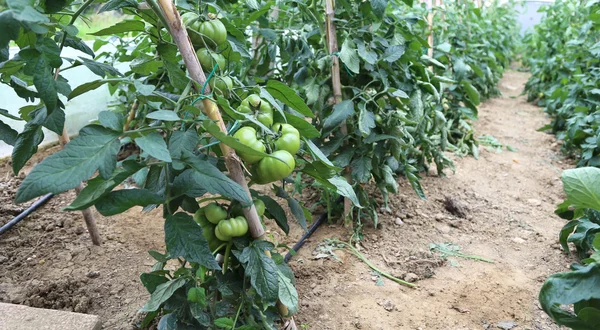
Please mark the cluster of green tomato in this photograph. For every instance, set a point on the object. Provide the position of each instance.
(220, 225)
(209, 37)
(284, 145)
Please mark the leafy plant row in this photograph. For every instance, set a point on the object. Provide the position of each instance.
(244, 94)
(563, 53)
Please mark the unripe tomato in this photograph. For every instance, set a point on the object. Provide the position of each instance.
(221, 86)
(208, 59)
(262, 110)
(221, 236)
(247, 136)
(378, 119)
(446, 106)
(236, 210)
(234, 227)
(214, 213)
(214, 31)
(208, 230)
(192, 23)
(289, 139)
(270, 169)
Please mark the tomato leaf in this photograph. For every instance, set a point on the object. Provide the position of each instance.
(155, 146)
(340, 112)
(7, 134)
(288, 97)
(94, 149)
(287, 293)
(121, 27)
(112, 120)
(119, 201)
(349, 56)
(183, 238)
(582, 187)
(162, 293)
(262, 272)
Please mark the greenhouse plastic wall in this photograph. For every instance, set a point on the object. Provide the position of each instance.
(528, 15)
(79, 111)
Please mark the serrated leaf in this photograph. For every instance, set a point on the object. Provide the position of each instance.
(366, 54)
(119, 201)
(343, 188)
(121, 27)
(262, 272)
(101, 69)
(98, 187)
(155, 146)
(366, 120)
(162, 293)
(183, 238)
(168, 322)
(393, 53)
(224, 322)
(5, 113)
(287, 293)
(86, 87)
(378, 7)
(118, 4)
(111, 120)
(94, 149)
(349, 56)
(214, 181)
(25, 146)
(340, 112)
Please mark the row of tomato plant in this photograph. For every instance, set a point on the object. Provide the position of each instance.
(252, 103)
(563, 54)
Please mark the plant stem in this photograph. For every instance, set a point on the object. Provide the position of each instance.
(226, 257)
(145, 129)
(237, 315)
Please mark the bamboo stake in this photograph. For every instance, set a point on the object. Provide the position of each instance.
(88, 216)
(232, 161)
(332, 46)
(430, 24)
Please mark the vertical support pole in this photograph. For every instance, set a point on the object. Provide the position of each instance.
(430, 24)
(332, 47)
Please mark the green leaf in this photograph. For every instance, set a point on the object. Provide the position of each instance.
(177, 77)
(43, 80)
(168, 322)
(288, 97)
(340, 112)
(366, 54)
(5, 113)
(305, 128)
(101, 69)
(571, 288)
(317, 153)
(393, 53)
(366, 120)
(10, 28)
(25, 146)
(343, 188)
(120, 201)
(98, 187)
(143, 89)
(471, 91)
(224, 322)
(7, 134)
(83, 88)
(155, 146)
(276, 213)
(145, 65)
(118, 4)
(378, 7)
(164, 115)
(287, 293)
(214, 181)
(361, 169)
(181, 142)
(262, 272)
(162, 293)
(349, 55)
(121, 27)
(582, 187)
(152, 281)
(183, 238)
(111, 120)
(94, 149)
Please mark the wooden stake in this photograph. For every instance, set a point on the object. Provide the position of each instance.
(332, 46)
(430, 24)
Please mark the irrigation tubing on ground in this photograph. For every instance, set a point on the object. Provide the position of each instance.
(310, 231)
(25, 213)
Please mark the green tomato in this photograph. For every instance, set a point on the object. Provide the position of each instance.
(221, 236)
(221, 86)
(271, 169)
(208, 59)
(236, 209)
(378, 119)
(214, 32)
(247, 136)
(289, 139)
(262, 110)
(234, 227)
(214, 213)
(445, 106)
(192, 23)
(208, 230)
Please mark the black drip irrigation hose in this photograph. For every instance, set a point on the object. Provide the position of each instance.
(310, 231)
(25, 213)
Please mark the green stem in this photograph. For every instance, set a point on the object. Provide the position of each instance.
(219, 248)
(73, 19)
(145, 129)
(375, 268)
(226, 258)
(237, 315)
(208, 199)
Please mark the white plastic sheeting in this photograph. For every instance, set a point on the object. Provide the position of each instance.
(79, 111)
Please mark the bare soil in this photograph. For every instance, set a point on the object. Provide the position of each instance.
(499, 207)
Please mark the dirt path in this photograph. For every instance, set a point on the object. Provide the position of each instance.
(510, 197)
